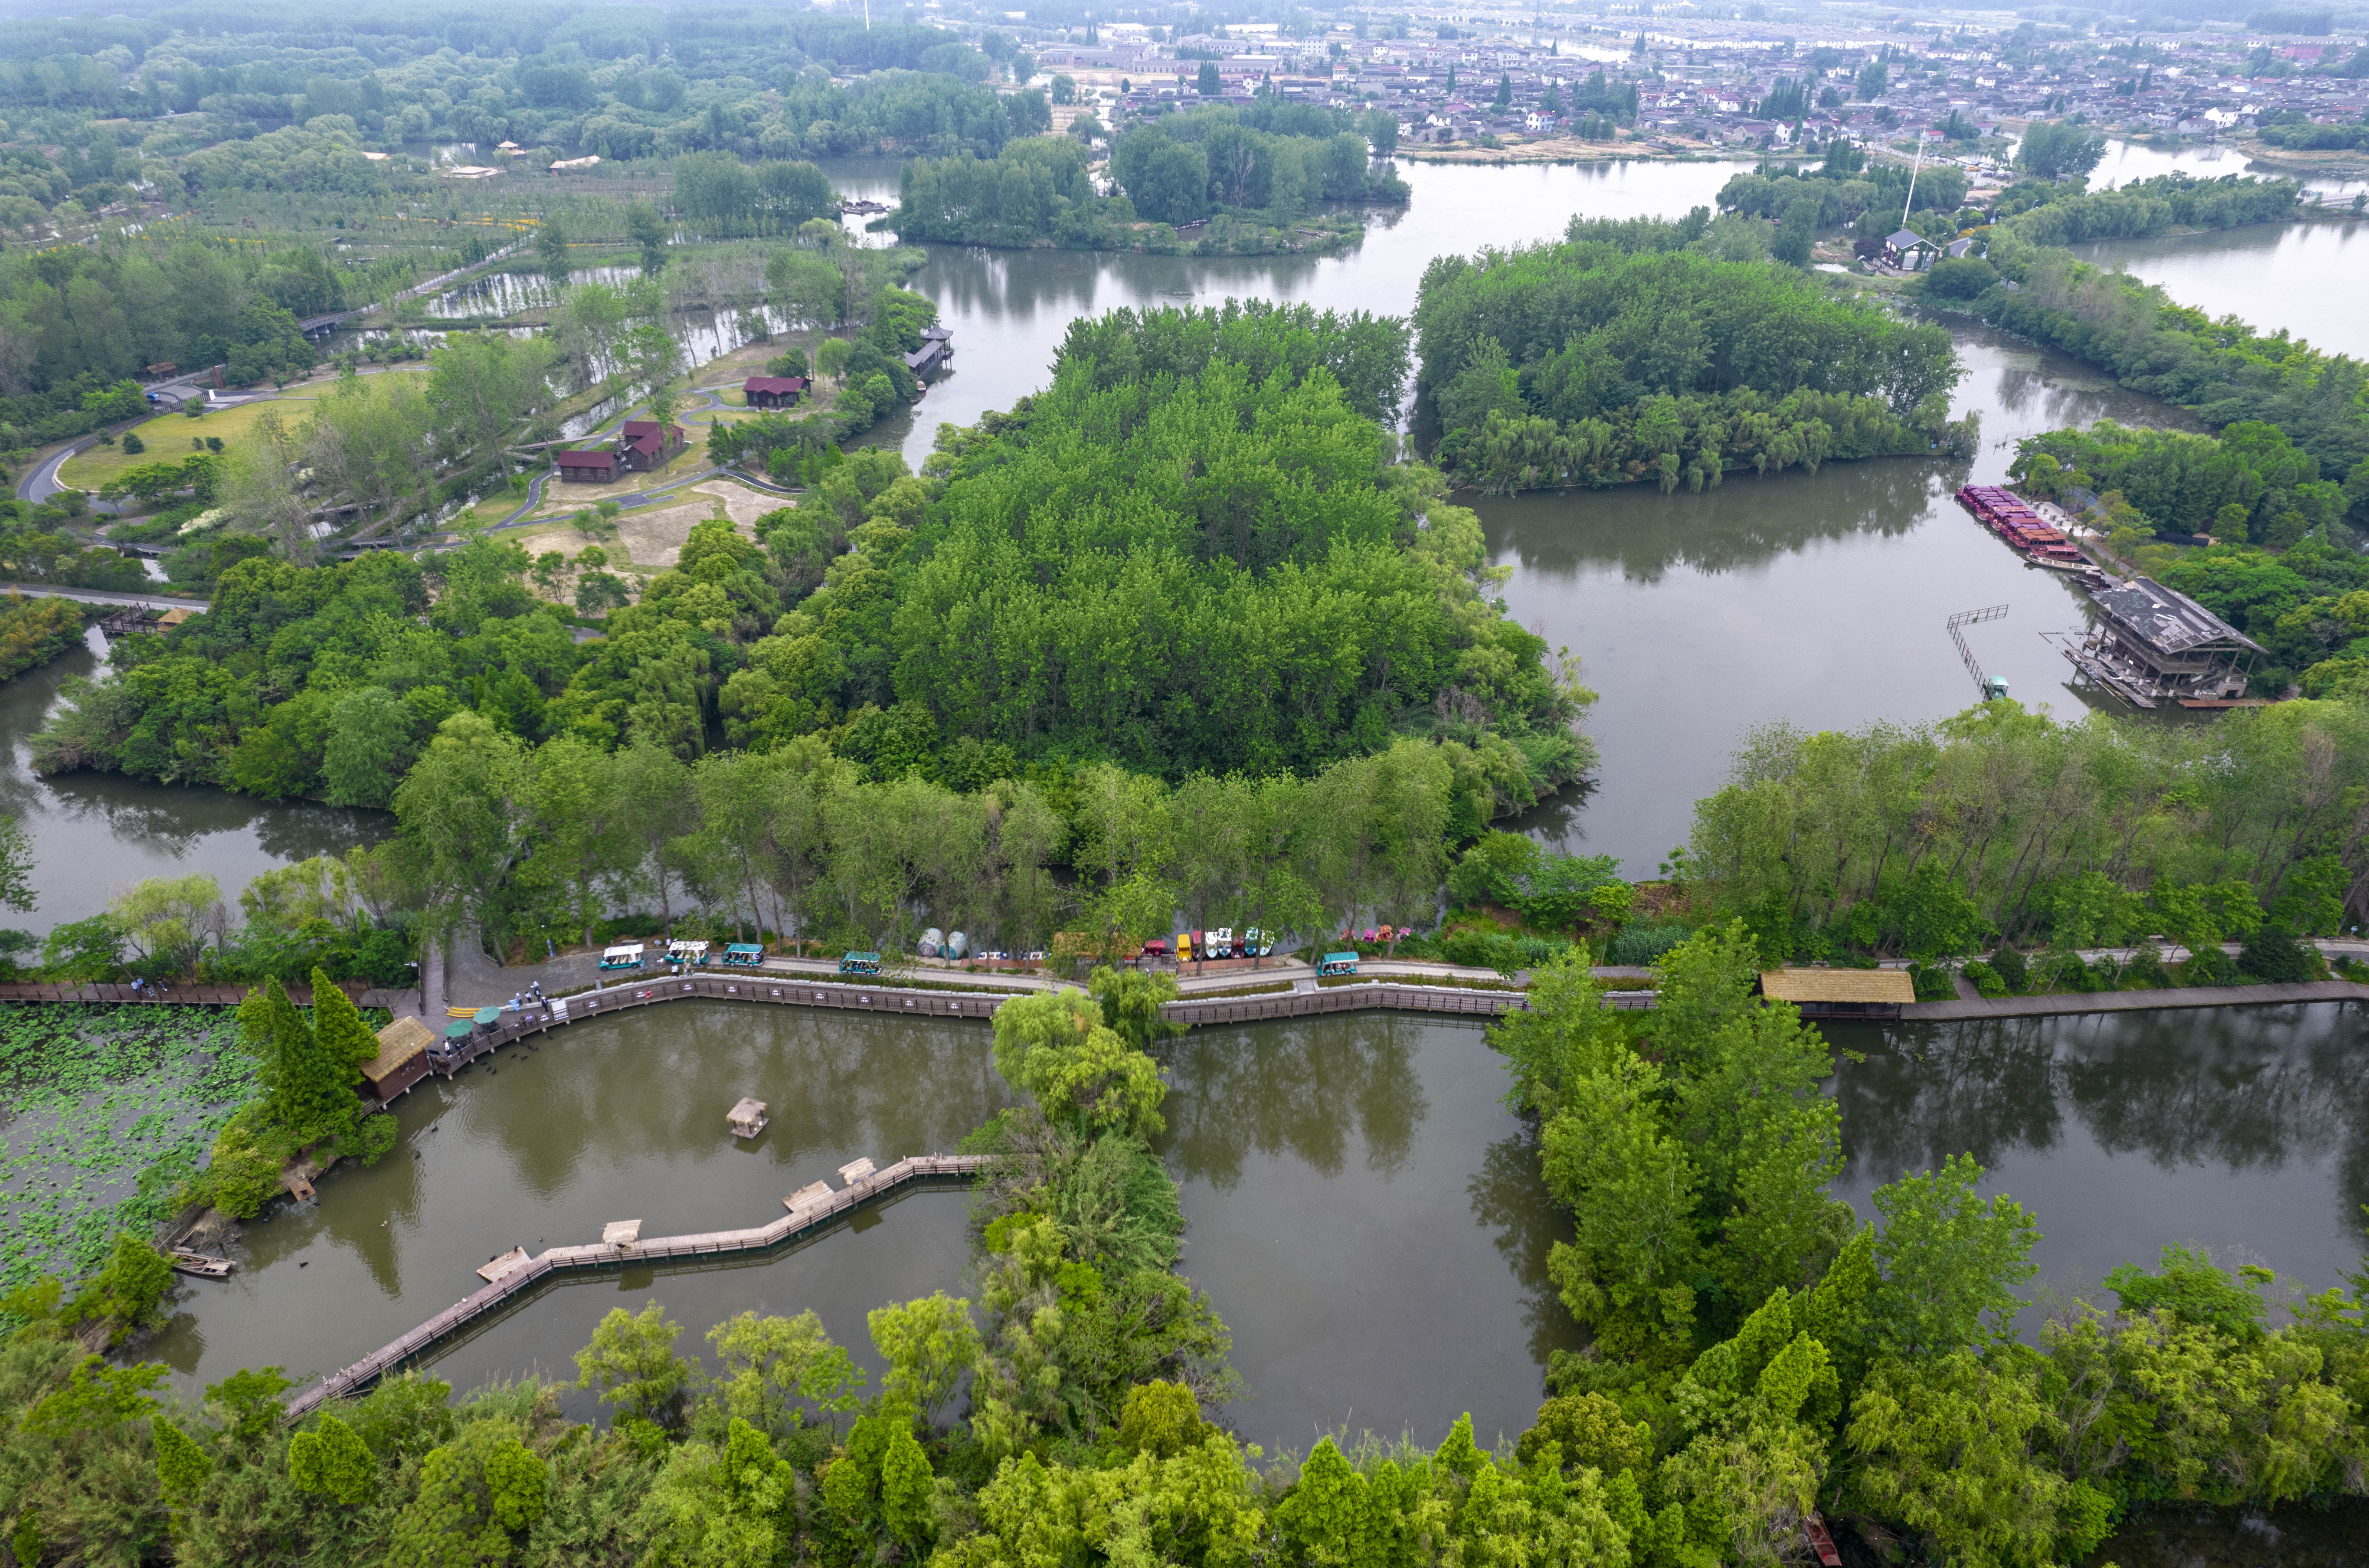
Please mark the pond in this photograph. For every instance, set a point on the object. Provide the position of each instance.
(1366, 1214)
(2318, 266)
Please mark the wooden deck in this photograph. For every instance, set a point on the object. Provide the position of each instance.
(801, 1222)
(109, 995)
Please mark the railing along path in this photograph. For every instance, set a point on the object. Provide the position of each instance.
(804, 1219)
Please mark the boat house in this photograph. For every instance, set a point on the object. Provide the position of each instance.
(2150, 645)
(1841, 994)
(772, 391)
(936, 352)
(401, 1059)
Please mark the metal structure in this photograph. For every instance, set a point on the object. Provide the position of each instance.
(1958, 624)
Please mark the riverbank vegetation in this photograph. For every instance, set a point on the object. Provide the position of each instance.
(35, 631)
(2002, 826)
(1624, 354)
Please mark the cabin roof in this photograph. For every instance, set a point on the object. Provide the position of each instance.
(2166, 619)
(397, 1044)
(775, 384)
(1839, 985)
(598, 458)
(747, 1110)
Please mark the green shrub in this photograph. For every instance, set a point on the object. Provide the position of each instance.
(1987, 980)
(2208, 967)
(2145, 971)
(2010, 966)
(1933, 982)
(2270, 953)
(1641, 942)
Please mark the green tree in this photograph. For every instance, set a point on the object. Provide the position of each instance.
(632, 1361)
(181, 1466)
(477, 1495)
(1796, 234)
(647, 230)
(928, 1343)
(771, 1364)
(1054, 1047)
(735, 1507)
(1950, 1261)
(551, 251)
(373, 739)
(1130, 1000)
(1205, 81)
(308, 1087)
(330, 1461)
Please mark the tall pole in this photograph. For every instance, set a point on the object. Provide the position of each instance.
(1912, 179)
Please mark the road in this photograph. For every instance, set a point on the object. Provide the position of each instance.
(103, 596)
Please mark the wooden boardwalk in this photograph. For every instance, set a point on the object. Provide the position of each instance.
(115, 995)
(804, 1220)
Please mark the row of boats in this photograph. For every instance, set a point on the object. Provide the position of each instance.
(2008, 515)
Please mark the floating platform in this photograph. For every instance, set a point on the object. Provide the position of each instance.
(493, 1269)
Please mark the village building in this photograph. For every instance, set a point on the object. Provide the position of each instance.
(637, 448)
(772, 391)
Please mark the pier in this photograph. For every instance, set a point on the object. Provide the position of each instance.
(809, 1216)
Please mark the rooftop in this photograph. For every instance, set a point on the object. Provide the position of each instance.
(1839, 985)
(397, 1044)
(2166, 619)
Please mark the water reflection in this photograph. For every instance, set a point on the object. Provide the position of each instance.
(1367, 1218)
(1309, 1090)
(2318, 267)
(95, 834)
(2244, 1128)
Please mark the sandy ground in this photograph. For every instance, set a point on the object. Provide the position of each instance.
(650, 539)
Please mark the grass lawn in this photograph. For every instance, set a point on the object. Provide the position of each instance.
(168, 435)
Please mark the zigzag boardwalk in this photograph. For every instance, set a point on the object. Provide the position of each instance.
(802, 1220)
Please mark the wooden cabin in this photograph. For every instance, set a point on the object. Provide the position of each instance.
(748, 1118)
(772, 391)
(401, 1059)
(596, 466)
(1841, 994)
(645, 446)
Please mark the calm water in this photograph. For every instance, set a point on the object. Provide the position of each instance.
(95, 834)
(2318, 267)
(1366, 1216)
(2127, 161)
(2242, 1129)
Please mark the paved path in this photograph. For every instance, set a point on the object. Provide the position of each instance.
(2132, 1001)
(103, 596)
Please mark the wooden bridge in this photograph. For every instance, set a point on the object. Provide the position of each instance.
(804, 1220)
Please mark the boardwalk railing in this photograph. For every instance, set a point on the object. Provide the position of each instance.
(111, 994)
(803, 1220)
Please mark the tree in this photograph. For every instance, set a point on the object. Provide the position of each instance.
(168, 920)
(131, 1288)
(1053, 1047)
(1131, 999)
(1949, 1261)
(373, 739)
(723, 1509)
(1796, 234)
(337, 1026)
(476, 1495)
(632, 1361)
(1206, 80)
(645, 229)
(551, 251)
(771, 1364)
(308, 1089)
(2059, 149)
(1874, 78)
(181, 1466)
(331, 1462)
(16, 864)
(1952, 1447)
(929, 1344)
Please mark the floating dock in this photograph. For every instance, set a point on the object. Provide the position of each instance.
(2008, 515)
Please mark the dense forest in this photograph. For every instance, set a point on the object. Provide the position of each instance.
(1625, 354)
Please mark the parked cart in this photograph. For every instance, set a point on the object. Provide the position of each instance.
(743, 955)
(1338, 964)
(687, 955)
(628, 956)
(860, 964)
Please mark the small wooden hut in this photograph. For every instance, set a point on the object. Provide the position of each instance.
(401, 1059)
(748, 1118)
(1841, 994)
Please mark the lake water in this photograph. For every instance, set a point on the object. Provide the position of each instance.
(95, 834)
(2320, 268)
(1362, 1210)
